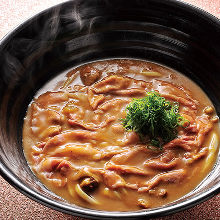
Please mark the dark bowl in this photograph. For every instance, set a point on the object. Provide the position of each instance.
(169, 32)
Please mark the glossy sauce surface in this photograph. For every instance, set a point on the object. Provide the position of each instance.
(76, 145)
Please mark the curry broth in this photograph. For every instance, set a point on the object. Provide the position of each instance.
(74, 132)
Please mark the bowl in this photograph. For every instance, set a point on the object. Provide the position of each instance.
(168, 32)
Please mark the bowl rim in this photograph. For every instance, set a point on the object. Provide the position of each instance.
(97, 214)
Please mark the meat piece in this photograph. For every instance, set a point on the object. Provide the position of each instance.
(188, 113)
(76, 151)
(117, 128)
(116, 103)
(49, 164)
(95, 100)
(40, 145)
(143, 204)
(175, 176)
(130, 92)
(190, 116)
(53, 164)
(159, 165)
(41, 119)
(183, 101)
(192, 157)
(192, 128)
(89, 75)
(79, 88)
(143, 85)
(204, 125)
(112, 83)
(162, 193)
(55, 171)
(81, 124)
(91, 126)
(51, 98)
(65, 166)
(183, 142)
(158, 192)
(73, 111)
(50, 132)
(131, 138)
(176, 93)
(111, 151)
(167, 156)
(122, 158)
(113, 180)
(189, 120)
(77, 136)
(126, 169)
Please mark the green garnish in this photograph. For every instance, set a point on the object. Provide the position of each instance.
(155, 117)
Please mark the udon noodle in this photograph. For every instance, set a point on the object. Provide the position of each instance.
(75, 142)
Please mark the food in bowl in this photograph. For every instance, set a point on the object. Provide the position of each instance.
(121, 135)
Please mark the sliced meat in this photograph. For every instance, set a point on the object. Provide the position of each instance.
(204, 125)
(158, 192)
(73, 111)
(175, 176)
(147, 86)
(131, 138)
(41, 119)
(176, 93)
(51, 98)
(181, 100)
(183, 142)
(65, 166)
(111, 151)
(122, 158)
(91, 126)
(130, 92)
(115, 103)
(159, 165)
(143, 204)
(49, 164)
(123, 169)
(189, 113)
(192, 128)
(113, 180)
(77, 136)
(50, 132)
(112, 83)
(188, 143)
(95, 100)
(167, 156)
(76, 151)
(192, 157)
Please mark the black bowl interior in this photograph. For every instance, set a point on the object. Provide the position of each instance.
(167, 32)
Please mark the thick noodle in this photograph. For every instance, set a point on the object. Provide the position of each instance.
(75, 143)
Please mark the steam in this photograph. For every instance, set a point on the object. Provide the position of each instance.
(23, 50)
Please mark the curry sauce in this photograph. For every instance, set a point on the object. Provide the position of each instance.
(75, 142)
